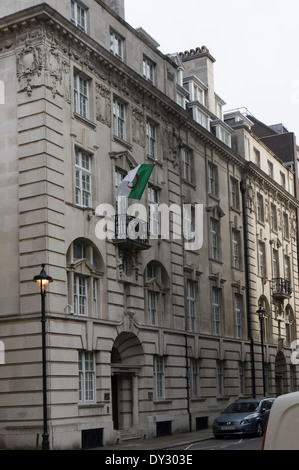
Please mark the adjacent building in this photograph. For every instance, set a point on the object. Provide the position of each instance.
(146, 335)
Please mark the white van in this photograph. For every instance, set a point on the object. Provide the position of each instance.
(282, 431)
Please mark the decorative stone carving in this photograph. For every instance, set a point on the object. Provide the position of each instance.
(103, 104)
(29, 65)
(138, 126)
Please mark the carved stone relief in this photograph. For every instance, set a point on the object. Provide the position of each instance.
(29, 66)
(103, 104)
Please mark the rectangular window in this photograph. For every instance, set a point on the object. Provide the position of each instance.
(287, 268)
(117, 45)
(275, 264)
(78, 15)
(186, 162)
(236, 248)
(83, 179)
(191, 304)
(194, 370)
(257, 157)
(86, 377)
(270, 169)
(148, 69)
(234, 194)
(154, 214)
(282, 180)
(238, 314)
(159, 379)
(260, 208)
(152, 307)
(151, 139)
(81, 96)
(214, 239)
(80, 295)
(95, 303)
(273, 217)
(212, 180)
(262, 259)
(285, 226)
(216, 310)
(119, 124)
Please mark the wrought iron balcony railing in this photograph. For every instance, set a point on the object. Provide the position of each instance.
(281, 288)
(131, 231)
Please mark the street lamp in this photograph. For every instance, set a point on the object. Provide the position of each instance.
(262, 314)
(42, 281)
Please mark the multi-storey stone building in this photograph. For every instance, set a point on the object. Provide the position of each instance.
(146, 336)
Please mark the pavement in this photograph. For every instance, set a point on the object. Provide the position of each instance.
(160, 443)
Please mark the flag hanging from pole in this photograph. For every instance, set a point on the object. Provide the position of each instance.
(133, 185)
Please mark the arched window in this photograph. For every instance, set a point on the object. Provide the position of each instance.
(263, 302)
(85, 267)
(156, 282)
(290, 324)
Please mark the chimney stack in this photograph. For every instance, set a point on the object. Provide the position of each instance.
(117, 5)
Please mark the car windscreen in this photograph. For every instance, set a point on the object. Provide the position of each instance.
(242, 407)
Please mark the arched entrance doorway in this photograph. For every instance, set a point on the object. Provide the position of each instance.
(281, 385)
(127, 358)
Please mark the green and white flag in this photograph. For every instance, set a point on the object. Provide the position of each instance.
(133, 185)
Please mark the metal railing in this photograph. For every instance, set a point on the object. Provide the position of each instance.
(131, 229)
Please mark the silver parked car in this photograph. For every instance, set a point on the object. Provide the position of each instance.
(246, 416)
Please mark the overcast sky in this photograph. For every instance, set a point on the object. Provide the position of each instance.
(255, 44)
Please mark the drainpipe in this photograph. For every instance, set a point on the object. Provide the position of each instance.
(187, 383)
(245, 231)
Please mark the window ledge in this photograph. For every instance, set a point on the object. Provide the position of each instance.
(85, 120)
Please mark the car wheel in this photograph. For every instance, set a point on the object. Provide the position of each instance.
(259, 429)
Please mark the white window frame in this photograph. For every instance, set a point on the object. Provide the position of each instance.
(80, 295)
(236, 248)
(214, 234)
(216, 310)
(86, 366)
(238, 302)
(153, 300)
(159, 378)
(151, 138)
(194, 372)
(117, 45)
(191, 304)
(79, 15)
(186, 163)
(148, 69)
(83, 178)
(262, 258)
(81, 95)
(154, 213)
(119, 119)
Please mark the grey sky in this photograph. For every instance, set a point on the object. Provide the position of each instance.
(255, 45)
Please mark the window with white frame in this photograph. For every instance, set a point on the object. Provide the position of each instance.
(262, 258)
(186, 163)
(287, 268)
(234, 193)
(84, 278)
(81, 95)
(159, 378)
(154, 213)
(216, 310)
(152, 307)
(212, 180)
(86, 365)
(236, 248)
(148, 69)
(200, 117)
(194, 372)
(191, 304)
(238, 303)
(78, 15)
(214, 238)
(119, 123)
(83, 178)
(117, 45)
(275, 264)
(151, 139)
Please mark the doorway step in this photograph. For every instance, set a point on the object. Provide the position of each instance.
(130, 435)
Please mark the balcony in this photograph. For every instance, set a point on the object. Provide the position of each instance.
(281, 289)
(131, 232)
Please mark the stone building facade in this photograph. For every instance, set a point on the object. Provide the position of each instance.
(144, 337)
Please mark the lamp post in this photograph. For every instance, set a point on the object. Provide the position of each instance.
(42, 281)
(262, 314)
